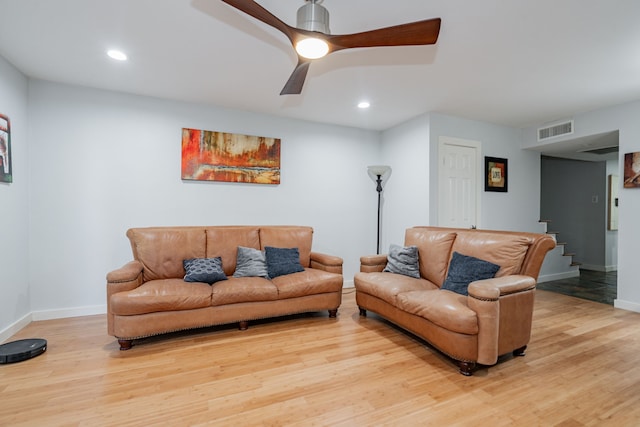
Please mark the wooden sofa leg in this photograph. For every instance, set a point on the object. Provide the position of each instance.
(125, 344)
(519, 351)
(466, 368)
(363, 312)
(333, 313)
(243, 325)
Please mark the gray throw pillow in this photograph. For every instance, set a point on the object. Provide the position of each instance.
(403, 260)
(206, 270)
(251, 263)
(281, 261)
(465, 269)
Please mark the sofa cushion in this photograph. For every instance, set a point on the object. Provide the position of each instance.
(284, 236)
(251, 263)
(434, 251)
(243, 289)
(506, 250)
(161, 250)
(446, 309)
(282, 261)
(403, 260)
(307, 282)
(387, 286)
(207, 270)
(161, 295)
(223, 241)
(466, 269)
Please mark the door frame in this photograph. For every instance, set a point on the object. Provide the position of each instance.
(477, 146)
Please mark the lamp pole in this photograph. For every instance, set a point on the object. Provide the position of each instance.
(379, 190)
(379, 173)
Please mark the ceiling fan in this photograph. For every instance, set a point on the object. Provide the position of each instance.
(312, 39)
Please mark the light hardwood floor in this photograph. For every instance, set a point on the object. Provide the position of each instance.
(581, 369)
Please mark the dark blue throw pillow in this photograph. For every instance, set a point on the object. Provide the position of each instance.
(465, 269)
(281, 261)
(206, 270)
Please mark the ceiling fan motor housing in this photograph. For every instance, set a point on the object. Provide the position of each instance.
(313, 17)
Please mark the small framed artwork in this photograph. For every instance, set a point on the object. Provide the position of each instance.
(631, 170)
(6, 174)
(496, 174)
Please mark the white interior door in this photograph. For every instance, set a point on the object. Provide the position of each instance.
(458, 182)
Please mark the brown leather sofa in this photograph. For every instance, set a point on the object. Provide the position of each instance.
(494, 319)
(149, 296)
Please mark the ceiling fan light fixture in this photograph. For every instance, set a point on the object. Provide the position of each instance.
(312, 39)
(312, 48)
(313, 17)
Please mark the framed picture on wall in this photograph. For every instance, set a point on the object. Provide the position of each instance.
(496, 174)
(6, 174)
(220, 156)
(632, 170)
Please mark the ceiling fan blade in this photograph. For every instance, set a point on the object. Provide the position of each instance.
(414, 33)
(297, 78)
(253, 9)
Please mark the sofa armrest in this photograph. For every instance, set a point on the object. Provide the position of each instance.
(504, 306)
(125, 278)
(330, 263)
(373, 263)
(492, 289)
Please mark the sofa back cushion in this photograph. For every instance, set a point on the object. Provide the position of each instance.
(161, 250)
(506, 249)
(223, 242)
(434, 251)
(283, 236)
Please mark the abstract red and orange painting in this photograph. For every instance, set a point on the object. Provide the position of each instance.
(229, 157)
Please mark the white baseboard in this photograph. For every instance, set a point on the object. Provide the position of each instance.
(601, 268)
(69, 312)
(15, 327)
(626, 305)
(558, 276)
(348, 284)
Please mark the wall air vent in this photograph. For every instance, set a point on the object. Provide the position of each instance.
(560, 129)
(601, 151)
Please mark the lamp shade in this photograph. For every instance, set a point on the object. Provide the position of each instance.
(379, 170)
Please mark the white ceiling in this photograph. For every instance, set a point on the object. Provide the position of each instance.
(509, 62)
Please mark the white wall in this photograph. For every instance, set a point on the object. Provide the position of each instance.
(411, 194)
(406, 195)
(519, 207)
(611, 250)
(102, 162)
(625, 119)
(99, 162)
(14, 231)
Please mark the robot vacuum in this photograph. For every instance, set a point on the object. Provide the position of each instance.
(17, 351)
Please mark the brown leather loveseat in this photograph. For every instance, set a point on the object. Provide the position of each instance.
(493, 319)
(149, 295)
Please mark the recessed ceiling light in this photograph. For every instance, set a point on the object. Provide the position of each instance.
(364, 104)
(117, 55)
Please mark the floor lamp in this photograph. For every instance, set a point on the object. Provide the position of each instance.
(380, 174)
